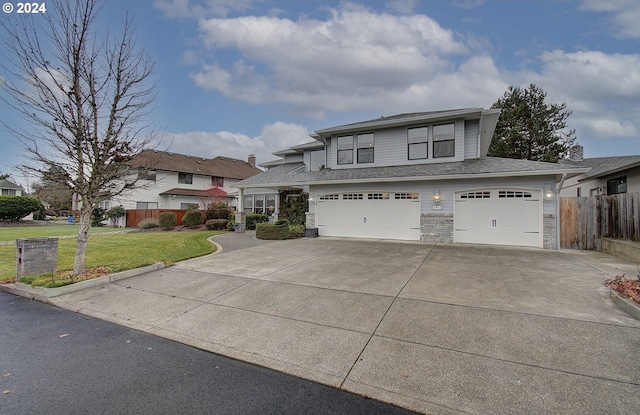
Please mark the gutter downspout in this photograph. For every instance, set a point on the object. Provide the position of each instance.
(564, 176)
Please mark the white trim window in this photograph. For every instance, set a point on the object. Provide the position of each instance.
(366, 144)
(418, 142)
(8, 192)
(317, 160)
(345, 149)
(444, 140)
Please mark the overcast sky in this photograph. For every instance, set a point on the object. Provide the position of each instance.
(237, 77)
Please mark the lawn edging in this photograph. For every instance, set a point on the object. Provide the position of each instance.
(625, 304)
(45, 294)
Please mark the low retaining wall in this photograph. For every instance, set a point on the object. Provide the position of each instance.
(622, 249)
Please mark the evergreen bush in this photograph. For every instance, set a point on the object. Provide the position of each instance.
(193, 218)
(15, 208)
(168, 220)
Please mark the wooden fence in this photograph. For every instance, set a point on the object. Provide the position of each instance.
(135, 216)
(584, 221)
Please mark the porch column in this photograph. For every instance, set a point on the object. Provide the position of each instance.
(241, 216)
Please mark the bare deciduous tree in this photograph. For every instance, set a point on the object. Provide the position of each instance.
(85, 95)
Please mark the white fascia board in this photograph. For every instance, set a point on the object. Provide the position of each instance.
(444, 115)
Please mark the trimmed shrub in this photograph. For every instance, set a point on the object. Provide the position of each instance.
(232, 221)
(168, 220)
(217, 213)
(17, 207)
(114, 213)
(271, 231)
(97, 216)
(254, 218)
(148, 223)
(216, 224)
(297, 231)
(193, 218)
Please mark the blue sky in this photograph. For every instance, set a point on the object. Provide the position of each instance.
(237, 77)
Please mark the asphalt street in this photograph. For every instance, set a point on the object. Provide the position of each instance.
(54, 361)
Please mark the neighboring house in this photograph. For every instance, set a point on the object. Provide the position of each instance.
(606, 176)
(9, 188)
(420, 176)
(179, 180)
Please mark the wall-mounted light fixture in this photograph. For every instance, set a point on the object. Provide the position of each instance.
(436, 195)
(548, 194)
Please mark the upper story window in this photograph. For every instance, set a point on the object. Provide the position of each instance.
(365, 148)
(617, 185)
(185, 178)
(317, 160)
(217, 181)
(345, 149)
(418, 143)
(444, 140)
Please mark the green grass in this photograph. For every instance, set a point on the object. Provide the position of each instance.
(120, 252)
(11, 233)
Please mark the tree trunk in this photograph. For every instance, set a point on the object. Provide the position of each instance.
(79, 266)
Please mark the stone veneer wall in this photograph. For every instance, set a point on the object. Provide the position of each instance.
(436, 227)
(549, 232)
(310, 220)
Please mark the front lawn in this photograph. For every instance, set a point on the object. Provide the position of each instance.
(119, 252)
(11, 233)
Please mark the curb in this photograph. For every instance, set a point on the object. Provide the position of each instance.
(46, 294)
(625, 304)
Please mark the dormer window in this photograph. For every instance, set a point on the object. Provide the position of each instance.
(444, 140)
(345, 149)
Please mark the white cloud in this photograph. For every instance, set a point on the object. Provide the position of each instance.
(625, 15)
(601, 89)
(354, 59)
(274, 137)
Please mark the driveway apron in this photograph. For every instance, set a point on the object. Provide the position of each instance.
(440, 329)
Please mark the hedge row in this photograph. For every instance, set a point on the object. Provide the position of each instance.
(279, 230)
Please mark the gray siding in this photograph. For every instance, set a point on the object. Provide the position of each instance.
(471, 139)
(294, 158)
(391, 148)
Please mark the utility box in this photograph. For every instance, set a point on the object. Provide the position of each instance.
(35, 256)
(311, 233)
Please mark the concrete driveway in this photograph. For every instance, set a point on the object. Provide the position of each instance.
(444, 329)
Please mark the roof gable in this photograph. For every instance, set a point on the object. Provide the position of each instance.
(8, 184)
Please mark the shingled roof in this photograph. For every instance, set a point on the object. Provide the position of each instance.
(181, 163)
(292, 174)
(602, 166)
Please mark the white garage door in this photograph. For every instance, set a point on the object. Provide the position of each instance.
(369, 215)
(499, 217)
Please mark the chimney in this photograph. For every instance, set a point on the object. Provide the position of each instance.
(252, 160)
(576, 153)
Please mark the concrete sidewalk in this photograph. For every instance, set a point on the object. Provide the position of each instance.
(446, 329)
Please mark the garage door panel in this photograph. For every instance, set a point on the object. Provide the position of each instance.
(369, 218)
(486, 218)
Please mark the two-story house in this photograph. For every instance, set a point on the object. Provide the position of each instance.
(178, 181)
(9, 188)
(420, 176)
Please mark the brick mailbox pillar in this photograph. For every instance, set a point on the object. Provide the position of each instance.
(36, 256)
